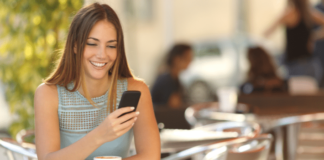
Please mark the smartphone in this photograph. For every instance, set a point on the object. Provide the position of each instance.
(129, 99)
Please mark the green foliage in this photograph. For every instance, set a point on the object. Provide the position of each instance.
(31, 34)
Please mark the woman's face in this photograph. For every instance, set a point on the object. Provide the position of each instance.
(182, 62)
(100, 51)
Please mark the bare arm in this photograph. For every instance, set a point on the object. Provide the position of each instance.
(282, 20)
(146, 132)
(318, 17)
(48, 133)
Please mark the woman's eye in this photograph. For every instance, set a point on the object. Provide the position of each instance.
(91, 44)
(111, 46)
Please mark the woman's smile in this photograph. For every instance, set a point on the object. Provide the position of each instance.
(98, 64)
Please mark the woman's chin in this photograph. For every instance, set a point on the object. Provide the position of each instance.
(99, 76)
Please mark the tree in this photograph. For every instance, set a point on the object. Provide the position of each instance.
(31, 35)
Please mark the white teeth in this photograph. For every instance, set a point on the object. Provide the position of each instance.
(98, 64)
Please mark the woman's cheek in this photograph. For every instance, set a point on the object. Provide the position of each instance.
(113, 55)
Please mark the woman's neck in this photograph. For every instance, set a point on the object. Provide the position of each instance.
(96, 88)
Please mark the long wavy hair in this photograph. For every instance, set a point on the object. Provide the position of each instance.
(70, 68)
(261, 65)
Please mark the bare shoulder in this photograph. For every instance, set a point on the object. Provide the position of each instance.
(46, 93)
(136, 84)
(289, 12)
(289, 16)
(317, 16)
(46, 89)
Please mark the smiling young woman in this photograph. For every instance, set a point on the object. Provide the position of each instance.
(76, 108)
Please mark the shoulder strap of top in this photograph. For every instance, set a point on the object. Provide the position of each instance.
(59, 94)
(63, 93)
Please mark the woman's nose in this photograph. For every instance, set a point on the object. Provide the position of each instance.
(101, 53)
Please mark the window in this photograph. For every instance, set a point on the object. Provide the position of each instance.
(208, 51)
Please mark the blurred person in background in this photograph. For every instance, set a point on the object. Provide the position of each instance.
(167, 90)
(262, 76)
(298, 19)
(76, 109)
(319, 43)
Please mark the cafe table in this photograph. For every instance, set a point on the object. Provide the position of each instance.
(174, 140)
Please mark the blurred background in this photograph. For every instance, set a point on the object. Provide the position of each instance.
(33, 33)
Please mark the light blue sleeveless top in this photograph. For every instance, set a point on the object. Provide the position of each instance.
(77, 117)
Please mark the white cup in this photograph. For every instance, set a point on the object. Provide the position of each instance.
(227, 97)
(107, 158)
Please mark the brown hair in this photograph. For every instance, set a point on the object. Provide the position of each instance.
(177, 50)
(69, 69)
(303, 9)
(261, 65)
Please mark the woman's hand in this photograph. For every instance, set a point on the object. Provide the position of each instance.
(114, 126)
(175, 100)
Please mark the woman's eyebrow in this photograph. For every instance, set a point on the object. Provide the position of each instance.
(93, 38)
(98, 40)
(111, 41)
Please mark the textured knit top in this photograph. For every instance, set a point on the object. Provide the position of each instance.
(77, 117)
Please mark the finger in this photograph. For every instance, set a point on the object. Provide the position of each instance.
(126, 117)
(126, 124)
(125, 129)
(121, 111)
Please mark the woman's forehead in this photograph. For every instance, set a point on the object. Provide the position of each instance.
(103, 31)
